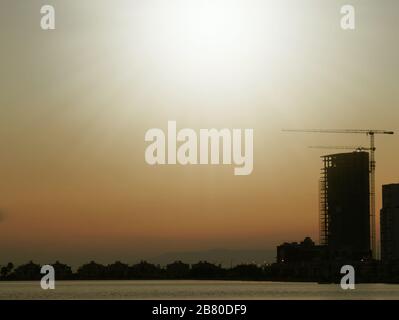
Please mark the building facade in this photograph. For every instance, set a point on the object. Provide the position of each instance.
(294, 252)
(389, 222)
(345, 205)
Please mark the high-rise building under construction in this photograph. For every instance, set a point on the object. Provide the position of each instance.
(390, 223)
(345, 205)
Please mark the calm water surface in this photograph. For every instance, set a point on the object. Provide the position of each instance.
(193, 290)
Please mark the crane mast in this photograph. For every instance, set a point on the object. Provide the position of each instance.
(374, 247)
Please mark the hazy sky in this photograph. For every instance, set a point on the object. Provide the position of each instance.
(75, 104)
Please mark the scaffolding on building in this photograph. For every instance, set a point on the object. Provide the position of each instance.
(323, 204)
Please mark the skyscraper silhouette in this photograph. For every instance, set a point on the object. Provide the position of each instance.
(390, 223)
(345, 205)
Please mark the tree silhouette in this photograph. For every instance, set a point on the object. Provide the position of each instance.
(178, 270)
(206, 270)
(145, 270)
(6, 270)
(117, 271)
(29, 271)
(91, 271)
(246, 271)
(62, 271)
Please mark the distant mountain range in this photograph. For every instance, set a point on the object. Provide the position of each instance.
(225, 257)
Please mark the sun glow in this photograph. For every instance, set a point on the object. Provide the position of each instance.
(212, 43)
(205, 59)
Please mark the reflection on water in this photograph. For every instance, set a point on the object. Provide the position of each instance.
(193, 290)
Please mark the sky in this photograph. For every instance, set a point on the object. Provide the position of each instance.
(76, 102)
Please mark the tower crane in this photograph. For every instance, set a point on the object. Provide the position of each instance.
(372, 165)
(357, 148)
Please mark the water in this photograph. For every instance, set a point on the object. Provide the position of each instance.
(193, 290)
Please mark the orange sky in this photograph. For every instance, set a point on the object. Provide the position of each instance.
(76, 102)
